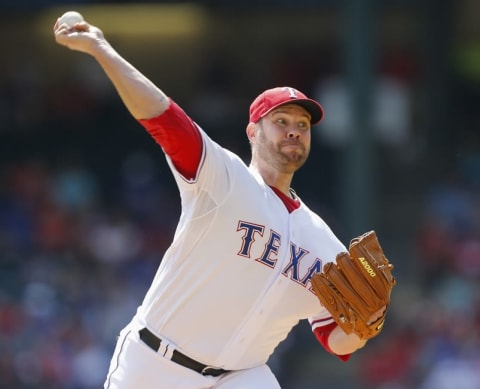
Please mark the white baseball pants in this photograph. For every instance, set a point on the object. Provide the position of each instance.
(135, 365)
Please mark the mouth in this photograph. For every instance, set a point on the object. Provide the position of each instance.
(293, 145)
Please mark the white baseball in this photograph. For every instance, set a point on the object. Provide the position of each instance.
(70, 18)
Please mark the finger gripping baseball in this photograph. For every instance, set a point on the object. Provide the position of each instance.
(357, 286)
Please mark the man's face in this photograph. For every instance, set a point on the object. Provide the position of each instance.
(283, 138)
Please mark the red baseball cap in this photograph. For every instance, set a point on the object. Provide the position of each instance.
(273, 98)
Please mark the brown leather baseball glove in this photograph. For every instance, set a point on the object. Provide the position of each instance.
(357, 286)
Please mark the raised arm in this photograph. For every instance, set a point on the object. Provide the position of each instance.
(142, 98)
(163, 119)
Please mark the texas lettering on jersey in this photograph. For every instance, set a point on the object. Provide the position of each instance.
(269, 255)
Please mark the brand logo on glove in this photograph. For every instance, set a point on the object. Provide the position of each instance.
(367, 267)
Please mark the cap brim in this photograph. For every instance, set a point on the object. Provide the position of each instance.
(311, 106)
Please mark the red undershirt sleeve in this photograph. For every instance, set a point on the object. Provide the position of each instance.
(179, 138)
(322, 334)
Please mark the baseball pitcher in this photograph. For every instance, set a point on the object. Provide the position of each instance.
(249, 259)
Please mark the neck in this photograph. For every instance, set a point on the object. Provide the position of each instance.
(272, 177)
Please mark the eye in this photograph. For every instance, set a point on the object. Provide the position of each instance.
(304, 125)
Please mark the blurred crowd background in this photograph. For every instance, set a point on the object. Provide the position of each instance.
(88, 205)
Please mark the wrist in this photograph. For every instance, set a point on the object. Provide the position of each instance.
(101, 49)
(342, 343)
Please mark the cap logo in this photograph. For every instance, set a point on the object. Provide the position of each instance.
(291, 92)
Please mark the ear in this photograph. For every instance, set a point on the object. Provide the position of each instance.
(251, 132)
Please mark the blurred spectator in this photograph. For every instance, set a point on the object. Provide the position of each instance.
(455, 373)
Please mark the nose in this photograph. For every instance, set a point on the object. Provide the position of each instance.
(293, 133)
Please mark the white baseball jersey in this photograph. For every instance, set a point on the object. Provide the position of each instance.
(236, 278)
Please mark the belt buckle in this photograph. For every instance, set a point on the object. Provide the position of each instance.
(206, 368)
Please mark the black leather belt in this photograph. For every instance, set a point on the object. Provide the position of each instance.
(154, 343)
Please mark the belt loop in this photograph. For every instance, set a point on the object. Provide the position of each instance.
(166, 349)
